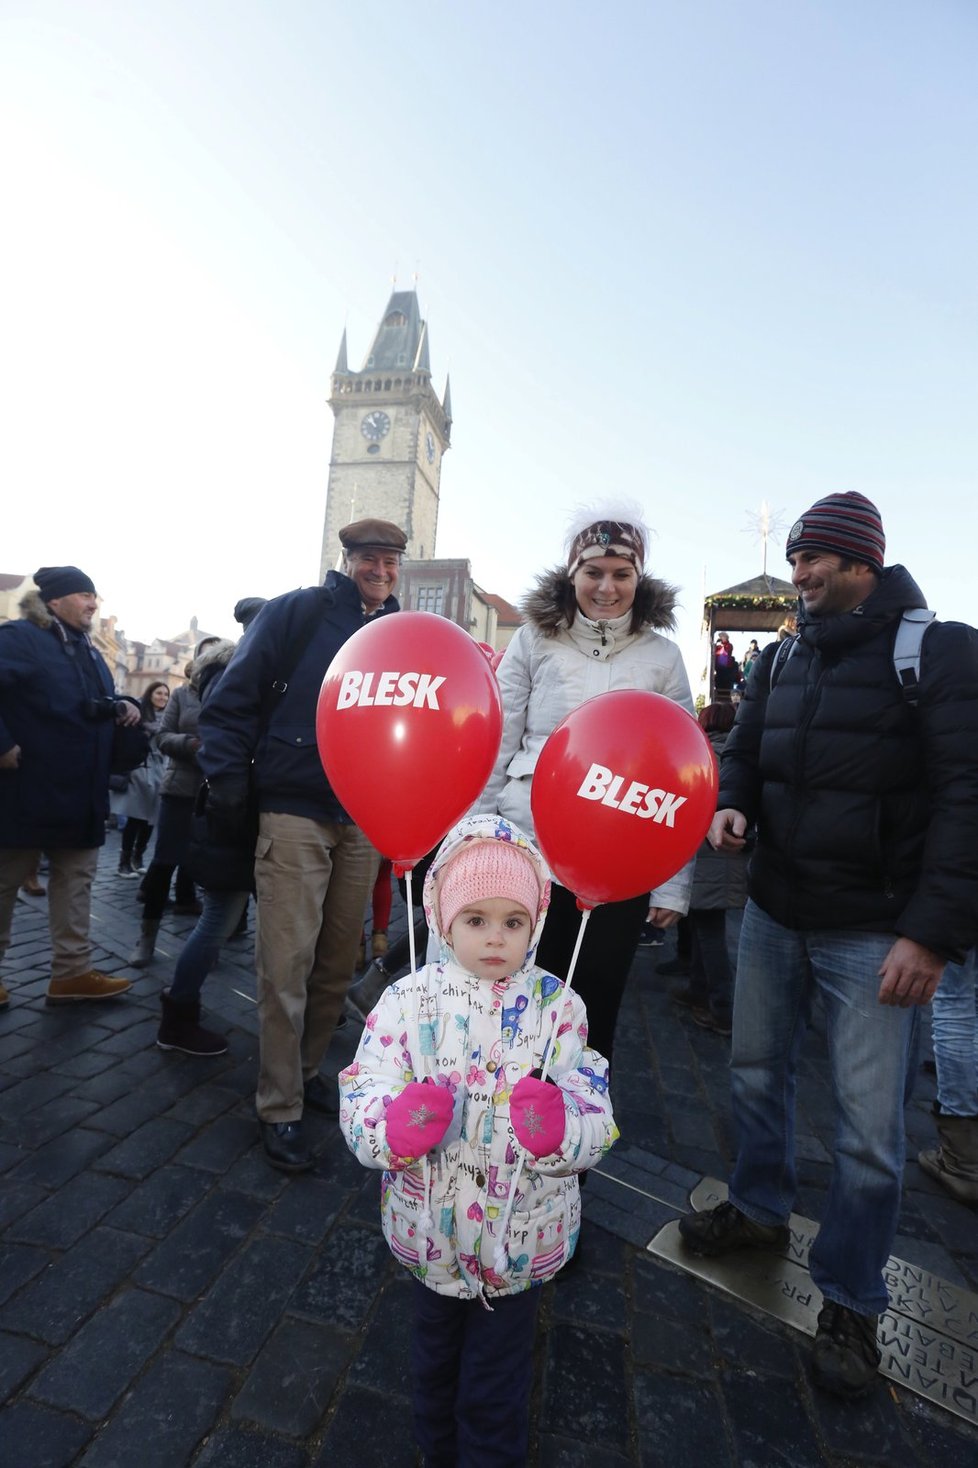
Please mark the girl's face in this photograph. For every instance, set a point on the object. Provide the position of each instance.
(605, 587)
(490, 937)
(160, 697)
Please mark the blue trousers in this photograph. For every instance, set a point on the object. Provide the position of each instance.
(221, 915)
(472, 1371)
(779, 972)
(955, 1030)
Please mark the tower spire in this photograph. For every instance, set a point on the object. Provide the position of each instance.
(341, 363)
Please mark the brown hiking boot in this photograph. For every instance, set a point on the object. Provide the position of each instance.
(93, 985)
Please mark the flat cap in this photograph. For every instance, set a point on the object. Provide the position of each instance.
(372, 535)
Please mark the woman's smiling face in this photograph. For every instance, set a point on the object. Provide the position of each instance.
(605, 587)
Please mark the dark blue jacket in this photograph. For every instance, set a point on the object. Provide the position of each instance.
(58, 798)
(245, 719)
(866, 807)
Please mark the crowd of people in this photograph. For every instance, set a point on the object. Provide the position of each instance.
(846, 835)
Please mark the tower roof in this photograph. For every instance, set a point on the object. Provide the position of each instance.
(341, 365)
(400, 335)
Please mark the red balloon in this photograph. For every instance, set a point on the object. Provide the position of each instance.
(623, 793)
(487, 649)
(408, 726)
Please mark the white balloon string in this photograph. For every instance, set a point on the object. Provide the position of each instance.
(410, 908)
(499, 1261)
(585, 914)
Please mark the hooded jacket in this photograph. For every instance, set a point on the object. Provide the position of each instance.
(866, 807)
(178, 736)
(58, 797)
(246, 719)
(444, 1219)
(549, 669)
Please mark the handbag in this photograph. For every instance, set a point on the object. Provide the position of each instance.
(130, 746)
(217, 860)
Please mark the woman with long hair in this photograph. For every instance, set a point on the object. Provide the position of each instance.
(141, 803)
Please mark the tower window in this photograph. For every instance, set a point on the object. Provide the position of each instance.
(430, 599)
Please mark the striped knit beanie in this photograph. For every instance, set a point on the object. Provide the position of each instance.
(848, 524)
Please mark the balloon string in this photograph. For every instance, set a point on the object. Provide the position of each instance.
(501, 1255)
(410, 907)
(414, 968)
(585, 914)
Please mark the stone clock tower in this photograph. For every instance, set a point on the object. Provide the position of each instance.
(389, 437)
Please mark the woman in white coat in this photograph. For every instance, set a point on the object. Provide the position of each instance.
(593, 625)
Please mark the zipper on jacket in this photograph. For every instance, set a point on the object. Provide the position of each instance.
(811, 701)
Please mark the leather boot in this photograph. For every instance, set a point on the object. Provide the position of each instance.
(143, 952)
(364, 994)
(954, 1164)
(180, 1029)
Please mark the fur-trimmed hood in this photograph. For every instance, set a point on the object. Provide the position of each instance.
(551, 604)
(34, 609)
(215, 655)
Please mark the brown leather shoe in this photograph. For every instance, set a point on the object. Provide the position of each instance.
(93, 985)
(4, 997)
(33, 887)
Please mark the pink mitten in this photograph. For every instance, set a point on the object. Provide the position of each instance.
(537, 1113)
(418, 1118)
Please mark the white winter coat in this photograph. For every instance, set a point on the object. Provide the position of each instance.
(542, 678)
(444, 1217)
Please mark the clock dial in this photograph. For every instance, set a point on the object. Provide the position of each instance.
(375, 425)
(429, 446)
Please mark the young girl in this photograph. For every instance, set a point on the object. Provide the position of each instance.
(480, 1199)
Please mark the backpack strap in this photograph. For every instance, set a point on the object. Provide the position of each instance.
(906, 649)
(302, 636)
(785, 648)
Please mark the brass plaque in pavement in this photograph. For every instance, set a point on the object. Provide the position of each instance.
(928, 1337)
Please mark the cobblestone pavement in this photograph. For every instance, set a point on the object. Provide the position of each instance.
(166, 1298)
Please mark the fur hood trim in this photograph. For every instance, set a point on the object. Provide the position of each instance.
(220, 653)
(551, 604)
(33, 609)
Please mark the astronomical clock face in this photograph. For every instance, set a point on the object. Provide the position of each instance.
(375, 425)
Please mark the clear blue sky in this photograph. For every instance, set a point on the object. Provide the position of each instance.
(705, 255)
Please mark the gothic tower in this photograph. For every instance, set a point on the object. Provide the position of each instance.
(389, 435)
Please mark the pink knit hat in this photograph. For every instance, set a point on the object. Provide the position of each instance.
(484, 869)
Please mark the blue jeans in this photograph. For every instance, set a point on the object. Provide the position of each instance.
(779, 973)
(955, 1028)
(221, 915)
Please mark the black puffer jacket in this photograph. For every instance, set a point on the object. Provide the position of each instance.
(867, 808)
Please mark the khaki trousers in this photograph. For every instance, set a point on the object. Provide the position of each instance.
(313, 881)
(70, 877)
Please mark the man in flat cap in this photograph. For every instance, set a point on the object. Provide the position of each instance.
(58, 709)
(314, 869)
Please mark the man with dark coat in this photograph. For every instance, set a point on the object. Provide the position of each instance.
(58, 709)
(314, 869)
(863, 885)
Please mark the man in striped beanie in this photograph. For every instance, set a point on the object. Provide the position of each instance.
(863, 884)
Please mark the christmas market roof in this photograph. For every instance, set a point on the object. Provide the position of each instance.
(763, 592)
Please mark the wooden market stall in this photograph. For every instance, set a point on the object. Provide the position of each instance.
(764, 604)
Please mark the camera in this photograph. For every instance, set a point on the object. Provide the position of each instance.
(99, 708)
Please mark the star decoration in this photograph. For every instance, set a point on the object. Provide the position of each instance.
(533, 1121)
(421, 1116)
